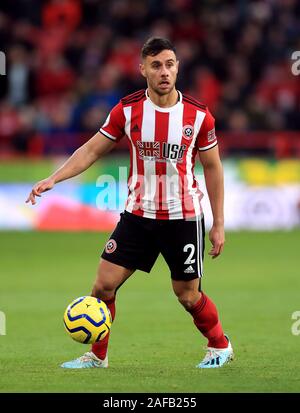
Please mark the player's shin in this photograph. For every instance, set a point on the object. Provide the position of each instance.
(206, 319)
(100, 348)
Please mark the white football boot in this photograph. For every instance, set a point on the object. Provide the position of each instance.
(87, 361)
(217, 357)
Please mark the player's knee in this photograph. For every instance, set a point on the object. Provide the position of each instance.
(187, 300)
(104, 289)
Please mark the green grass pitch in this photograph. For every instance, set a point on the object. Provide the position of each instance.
(154, 345)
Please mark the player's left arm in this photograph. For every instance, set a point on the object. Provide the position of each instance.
(214, 180)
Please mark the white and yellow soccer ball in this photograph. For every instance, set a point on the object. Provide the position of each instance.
(87, 320)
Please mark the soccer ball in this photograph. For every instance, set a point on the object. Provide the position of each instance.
(87, 320)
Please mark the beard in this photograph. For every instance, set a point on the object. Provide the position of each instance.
(162, 92)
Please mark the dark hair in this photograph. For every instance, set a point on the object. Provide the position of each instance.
(155, 45)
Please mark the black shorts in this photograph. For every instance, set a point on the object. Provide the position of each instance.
(136, 243)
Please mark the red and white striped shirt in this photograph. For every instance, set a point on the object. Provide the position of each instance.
(163, 145)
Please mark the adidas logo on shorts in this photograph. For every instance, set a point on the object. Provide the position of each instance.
(189, 270)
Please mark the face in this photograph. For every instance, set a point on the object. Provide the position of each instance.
(160, 71)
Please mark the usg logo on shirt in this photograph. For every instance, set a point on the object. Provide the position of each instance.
(160, 152)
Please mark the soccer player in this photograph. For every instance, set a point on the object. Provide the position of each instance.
(166, 130)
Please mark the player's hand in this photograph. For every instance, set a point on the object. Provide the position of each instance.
(39, 188)
(217, 238)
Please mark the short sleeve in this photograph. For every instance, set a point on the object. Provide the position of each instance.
(207, 136)
(114, 126)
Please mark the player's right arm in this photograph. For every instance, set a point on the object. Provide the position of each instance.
(81, 160)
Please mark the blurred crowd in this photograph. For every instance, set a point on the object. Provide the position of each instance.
(69, 61)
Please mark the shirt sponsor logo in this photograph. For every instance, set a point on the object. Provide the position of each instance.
(165, 152)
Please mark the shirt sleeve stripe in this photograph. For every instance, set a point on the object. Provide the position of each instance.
(209, 146)
(107, 135)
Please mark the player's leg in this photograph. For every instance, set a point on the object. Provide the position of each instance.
(203, 311)
(206, 319)
(109, 278)
(130, 247)
(183, 250)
